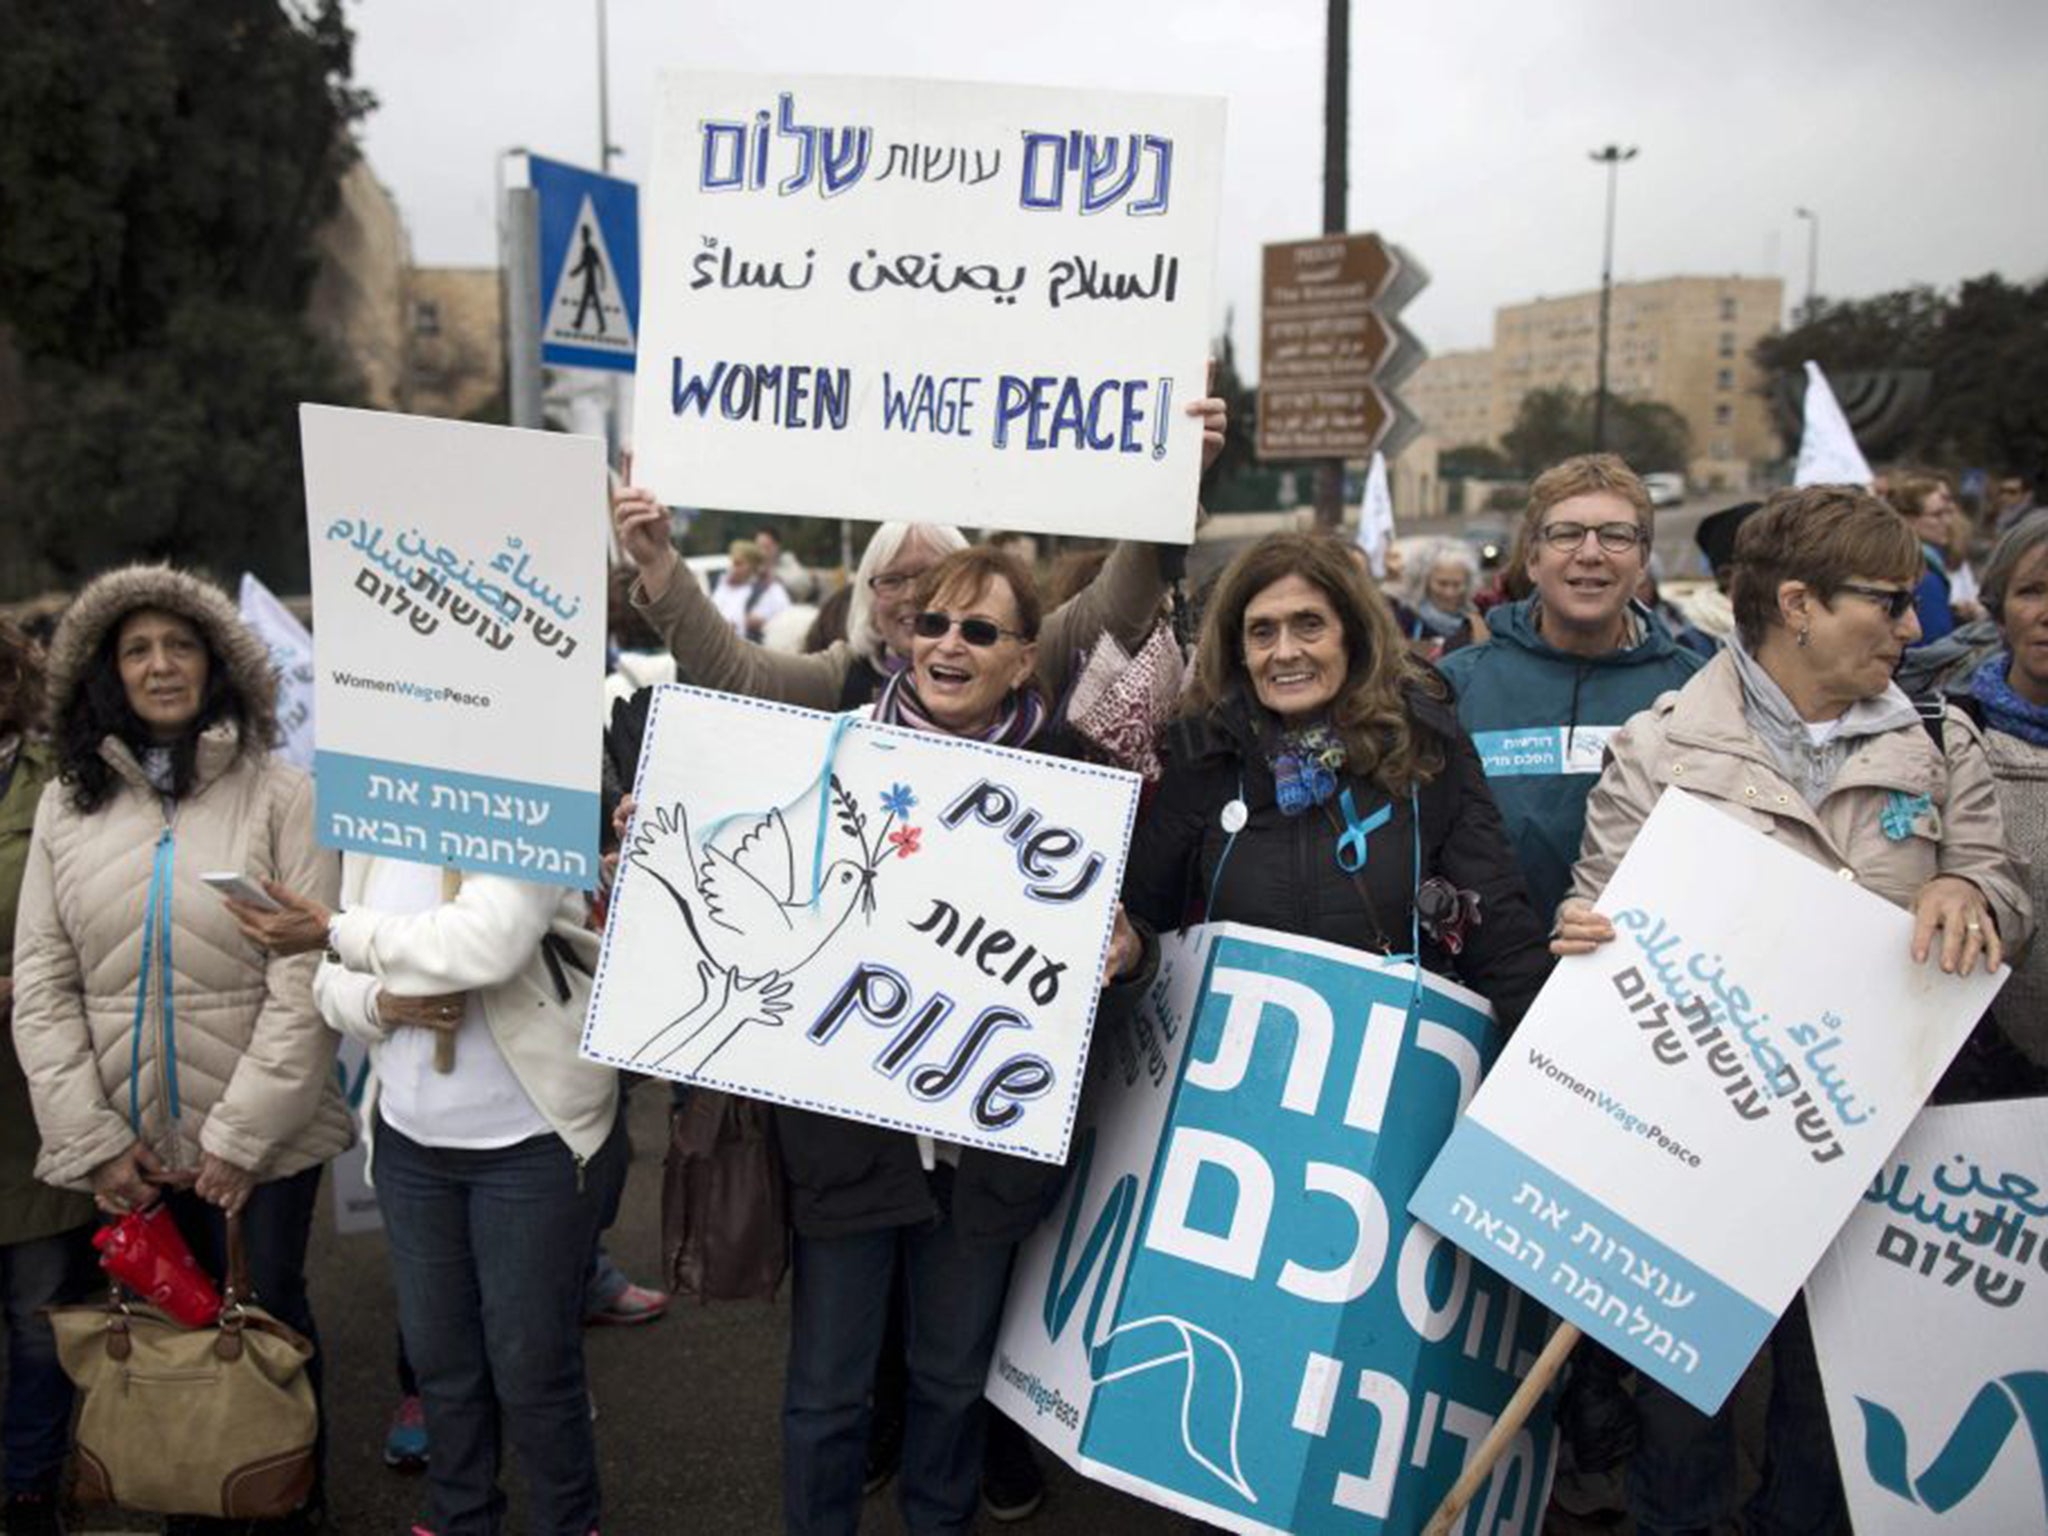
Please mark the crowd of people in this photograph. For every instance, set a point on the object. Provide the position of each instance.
(170, 1047)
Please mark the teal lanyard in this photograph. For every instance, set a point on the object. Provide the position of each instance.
(157, 916)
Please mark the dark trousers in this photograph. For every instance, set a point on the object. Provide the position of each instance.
(276, 1225)
(839, 1307)
(1683, 1473)
(489, 1253)
(35, 1423)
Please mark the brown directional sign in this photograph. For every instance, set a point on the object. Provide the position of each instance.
(1326, 336)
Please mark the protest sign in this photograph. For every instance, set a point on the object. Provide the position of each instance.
(1230, 1313)
(1930, 1318)
(928, 300)
(893, 926)
(1688, 1114)
(291, 654)
(459, 589)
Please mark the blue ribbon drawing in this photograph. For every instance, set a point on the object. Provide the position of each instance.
(1973, 1445)
(1212, 1390)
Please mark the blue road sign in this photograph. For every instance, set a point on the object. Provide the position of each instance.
(589, 266)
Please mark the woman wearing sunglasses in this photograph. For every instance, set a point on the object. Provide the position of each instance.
(1320, 784)
(866, 1201)
(848, 674)
(1797, 730)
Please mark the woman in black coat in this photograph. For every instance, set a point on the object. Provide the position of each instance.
(1320, 784)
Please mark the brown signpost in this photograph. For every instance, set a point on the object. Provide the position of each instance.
(1330, 348)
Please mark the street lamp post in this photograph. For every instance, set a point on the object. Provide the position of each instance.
(1812, 257)
(1613, 157)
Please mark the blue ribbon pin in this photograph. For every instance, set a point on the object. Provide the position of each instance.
(1351, 849)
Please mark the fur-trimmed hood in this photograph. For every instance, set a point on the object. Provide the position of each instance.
(110, 598)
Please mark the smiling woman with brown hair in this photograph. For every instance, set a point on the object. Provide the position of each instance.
(1320, 784)
(871, 1205)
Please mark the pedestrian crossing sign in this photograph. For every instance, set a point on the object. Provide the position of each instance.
(590, 267)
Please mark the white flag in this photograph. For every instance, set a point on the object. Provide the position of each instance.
(1376, 517)
(1828, 454)
(291, 652)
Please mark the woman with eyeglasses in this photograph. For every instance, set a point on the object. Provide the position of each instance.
(867, 1202)
(1312, 744)
(1124, 600)
(1798, 731)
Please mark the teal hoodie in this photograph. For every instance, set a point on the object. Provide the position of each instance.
(1541, 717)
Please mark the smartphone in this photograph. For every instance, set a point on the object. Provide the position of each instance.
(241, 888)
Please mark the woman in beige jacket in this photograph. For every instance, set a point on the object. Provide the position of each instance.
(167, 1057)
(1797, 731)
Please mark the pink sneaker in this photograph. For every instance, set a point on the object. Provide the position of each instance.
(634, 1305)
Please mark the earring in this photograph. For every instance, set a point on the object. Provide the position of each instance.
(1805, 634)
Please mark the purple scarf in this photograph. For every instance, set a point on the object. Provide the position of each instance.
(1020, 718)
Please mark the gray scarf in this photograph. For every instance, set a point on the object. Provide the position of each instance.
(1811, 766)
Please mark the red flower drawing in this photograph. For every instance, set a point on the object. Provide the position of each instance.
(904, 840)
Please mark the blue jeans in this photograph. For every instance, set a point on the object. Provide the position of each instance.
(276, 1225)
(839, 1306)
(1683, 1474)
(35, 1424)
(489, 1253)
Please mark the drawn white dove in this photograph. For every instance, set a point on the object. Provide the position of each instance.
(748, 892)
(753, 891)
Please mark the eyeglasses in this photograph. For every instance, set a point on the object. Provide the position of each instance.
(1615, 538)
(1895, 601)
(893, 582)
(979, 633)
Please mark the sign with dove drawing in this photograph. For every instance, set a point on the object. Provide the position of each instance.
(897, 927)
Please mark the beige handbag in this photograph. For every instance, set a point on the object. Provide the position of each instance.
(191, 1421)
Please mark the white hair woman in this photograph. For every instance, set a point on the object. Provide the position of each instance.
(1441, 583)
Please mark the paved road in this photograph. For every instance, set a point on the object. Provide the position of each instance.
(688, 1407)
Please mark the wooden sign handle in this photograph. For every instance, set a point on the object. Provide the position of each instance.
(1505, 1428)
(444, 1039)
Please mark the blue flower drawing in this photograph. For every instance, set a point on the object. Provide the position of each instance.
(898, 800)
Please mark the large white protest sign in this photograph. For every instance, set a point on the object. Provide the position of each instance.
(928, 300)
(1687, 1114)
(894, 926)
(1930, 1318)
(291, 654)
(458, 585)
(1231, 1313)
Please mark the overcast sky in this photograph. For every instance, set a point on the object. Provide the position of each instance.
(1916, 131)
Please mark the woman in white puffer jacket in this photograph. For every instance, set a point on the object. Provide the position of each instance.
(492, 1170)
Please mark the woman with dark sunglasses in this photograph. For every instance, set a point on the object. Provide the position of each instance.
(1797, 730)
(870, 1205)
(1122, 601)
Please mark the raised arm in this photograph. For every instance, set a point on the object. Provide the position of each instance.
(1125, 596)
(706, 650)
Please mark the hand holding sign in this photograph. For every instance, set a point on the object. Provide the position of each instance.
(1957, 910)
